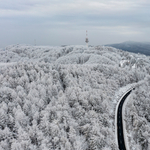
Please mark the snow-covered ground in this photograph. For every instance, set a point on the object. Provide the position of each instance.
(64, 97)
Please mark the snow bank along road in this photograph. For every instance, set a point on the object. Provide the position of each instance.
(121, 142)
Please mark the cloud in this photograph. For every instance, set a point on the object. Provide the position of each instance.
(122, 18)
(56, 7)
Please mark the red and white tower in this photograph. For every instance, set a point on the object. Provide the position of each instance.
(86, 39)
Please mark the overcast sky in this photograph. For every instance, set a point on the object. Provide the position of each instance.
(64, 22)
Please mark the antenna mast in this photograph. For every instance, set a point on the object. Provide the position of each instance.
(86, 39)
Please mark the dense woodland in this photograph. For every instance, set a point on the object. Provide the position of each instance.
(138, 116)
(63, 98)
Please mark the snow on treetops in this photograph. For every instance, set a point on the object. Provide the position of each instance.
(65, 97)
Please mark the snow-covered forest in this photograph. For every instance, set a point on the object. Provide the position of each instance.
(138, 117)
(64, 98)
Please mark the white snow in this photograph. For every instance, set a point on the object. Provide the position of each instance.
(7, 64)
(63, 97)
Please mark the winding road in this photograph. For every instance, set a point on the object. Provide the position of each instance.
(121, 142)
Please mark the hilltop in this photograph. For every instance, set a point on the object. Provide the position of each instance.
(135, 47)
(65, 97)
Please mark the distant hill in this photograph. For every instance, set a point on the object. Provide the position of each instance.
(135, 47)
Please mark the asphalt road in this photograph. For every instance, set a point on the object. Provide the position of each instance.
(121, 142)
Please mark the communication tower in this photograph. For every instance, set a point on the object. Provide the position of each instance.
(86, 39)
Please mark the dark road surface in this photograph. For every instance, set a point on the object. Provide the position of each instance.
(120, 135)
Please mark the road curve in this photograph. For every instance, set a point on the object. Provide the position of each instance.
(120, 136)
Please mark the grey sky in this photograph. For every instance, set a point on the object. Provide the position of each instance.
(59, 22)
